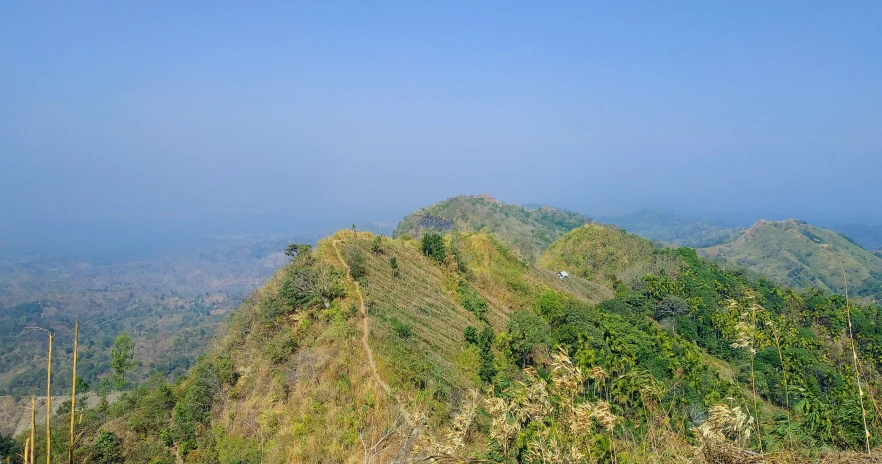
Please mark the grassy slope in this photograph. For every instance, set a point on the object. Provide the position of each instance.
(322, 398)
(801, 255)
(307, 407)
(678, 230)
(528, 232)
(328, 382)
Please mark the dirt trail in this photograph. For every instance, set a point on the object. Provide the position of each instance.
(365, 332)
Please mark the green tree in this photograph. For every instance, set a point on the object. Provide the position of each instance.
(8, 447)
(393, 263)
(378, 246)
(433, 246)
(107, 449)
(355, 260)
(471, 335)
(528, 331)
(122, 359)
(295, 250)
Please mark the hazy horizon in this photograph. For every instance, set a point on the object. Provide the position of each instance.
(124, 125)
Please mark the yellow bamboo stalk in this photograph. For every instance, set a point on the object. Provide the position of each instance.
(27, 450)
(73, 393)
(49, 402)
(857, 372)
(33, 428)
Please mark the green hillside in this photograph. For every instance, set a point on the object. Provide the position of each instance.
(527, 231)
(674, 229)
(802, 255)
(372, 349)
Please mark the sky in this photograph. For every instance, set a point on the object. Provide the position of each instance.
(128, 121)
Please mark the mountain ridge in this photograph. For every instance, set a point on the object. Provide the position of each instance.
(480, 355)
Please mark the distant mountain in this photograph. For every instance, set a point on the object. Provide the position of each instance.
(803, 255)
(528, 231)
(674, 229)
(869, 237)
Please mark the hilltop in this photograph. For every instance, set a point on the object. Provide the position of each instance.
(606, 254)
(527, 231)
(374, 349)
(803, 255)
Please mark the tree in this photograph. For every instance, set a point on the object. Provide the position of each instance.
(295, 250)
(122, 359)
(378, 246)
(107, 449)
(355, 260)
(306, 285)
(433, 246)
(8, 446)
(528, 331)
(471, 335)
(393, 263)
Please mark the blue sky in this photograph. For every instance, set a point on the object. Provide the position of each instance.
(285, 117)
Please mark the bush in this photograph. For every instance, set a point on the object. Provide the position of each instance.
(433, 246)
(528, 331)
(355, 260)
(194, 407)
(107, 449)
(281, 346)
(393, 263)
(471, 335)
(378, 246)
(226, 372)
(308, 284)
(403, 330)
(471, 301)
(235, 450)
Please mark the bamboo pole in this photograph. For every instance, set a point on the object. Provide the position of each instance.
(49, 402)
(73, 393)
(33, 428)
(27, 450)
(857, 372)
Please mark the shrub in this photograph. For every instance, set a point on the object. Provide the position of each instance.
(471, 335)
(403, 330)
(393, 263)
(226, 372)
(107, 449)
(528, 331)
(433, 246)
(281, 346)
(355, 260)
(378, 246)
(471, 301)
